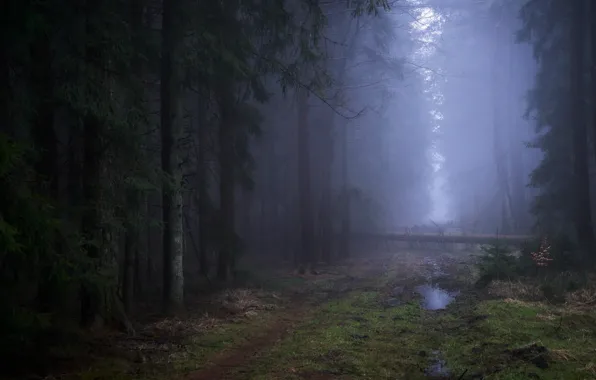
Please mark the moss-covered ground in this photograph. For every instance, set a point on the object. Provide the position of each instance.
(363, 320)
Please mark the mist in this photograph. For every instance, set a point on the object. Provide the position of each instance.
(290, 189)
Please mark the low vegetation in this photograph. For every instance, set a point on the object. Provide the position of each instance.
(363, 320)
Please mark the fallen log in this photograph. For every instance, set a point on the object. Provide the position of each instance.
(437, 238)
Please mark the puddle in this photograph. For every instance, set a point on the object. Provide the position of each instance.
(435, 298)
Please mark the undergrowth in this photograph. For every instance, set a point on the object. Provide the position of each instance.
(553, 266)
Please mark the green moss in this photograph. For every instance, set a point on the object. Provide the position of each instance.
(356, 337)
(482, 346)
(353, 337)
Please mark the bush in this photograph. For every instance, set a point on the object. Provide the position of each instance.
(552, 262)
(29, 260)
(496, 263)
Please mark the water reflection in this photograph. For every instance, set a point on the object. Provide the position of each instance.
(435, 298)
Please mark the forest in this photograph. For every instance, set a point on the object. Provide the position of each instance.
(212, 189)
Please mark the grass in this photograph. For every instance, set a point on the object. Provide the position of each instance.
(357, 338)
(340, 327)
(511, 324)
(354, 337)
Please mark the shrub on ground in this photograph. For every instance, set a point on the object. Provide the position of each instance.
(551, 264)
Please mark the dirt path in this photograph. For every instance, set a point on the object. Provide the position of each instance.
(223, 364)
(378, 274)
(229, 364)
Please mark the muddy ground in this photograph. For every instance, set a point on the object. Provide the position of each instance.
(404, 315)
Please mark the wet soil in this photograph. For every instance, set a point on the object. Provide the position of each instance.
(398, 290)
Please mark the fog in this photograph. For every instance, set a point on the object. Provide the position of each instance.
(429, 100)
(292, 188)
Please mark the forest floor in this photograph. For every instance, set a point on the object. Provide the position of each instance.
(405, 315)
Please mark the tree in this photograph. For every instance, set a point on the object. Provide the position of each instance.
(171, 86)
(554, 28)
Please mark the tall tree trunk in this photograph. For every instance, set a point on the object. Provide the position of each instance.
(344, 247)
(173, 244)
(593, 70)
(140, 261)
(131, 248)
(304, 184)
(500, 124)
(227, 135)
(344, 237)
(203, 183)
(583, 216)
(325, 237)
(149, 269)
(91, 300)
(133, 196)
(46, 143)
(91, 219)
(44, 131)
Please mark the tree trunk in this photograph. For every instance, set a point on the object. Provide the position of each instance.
(500, 124)
(46, 143)
(225, 261)
(149, 269)
(344, 245)
(133, 195)
(173, 245)
(90, 223)
(306, 258)
(202, 183)
(325, 237)
(344, 241)
(131, 248)
(593, 70)
(91, 300)
(583, 217)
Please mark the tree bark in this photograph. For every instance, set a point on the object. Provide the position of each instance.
(344, 242)
(91, 302)
(202, 183)
(173, 245)
(306, 257)
(583, 216)
(325, 238)
(500, 124)
(131, 248)
(225, 261)
(46, 143)
(344, 246)
(593, 70)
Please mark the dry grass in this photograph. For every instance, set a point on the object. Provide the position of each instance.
(561, 355)
(177, 325)
(590, 368)
(246, 302)
(518, 302)
(164, 341)
(582, 298)
(516, 290)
